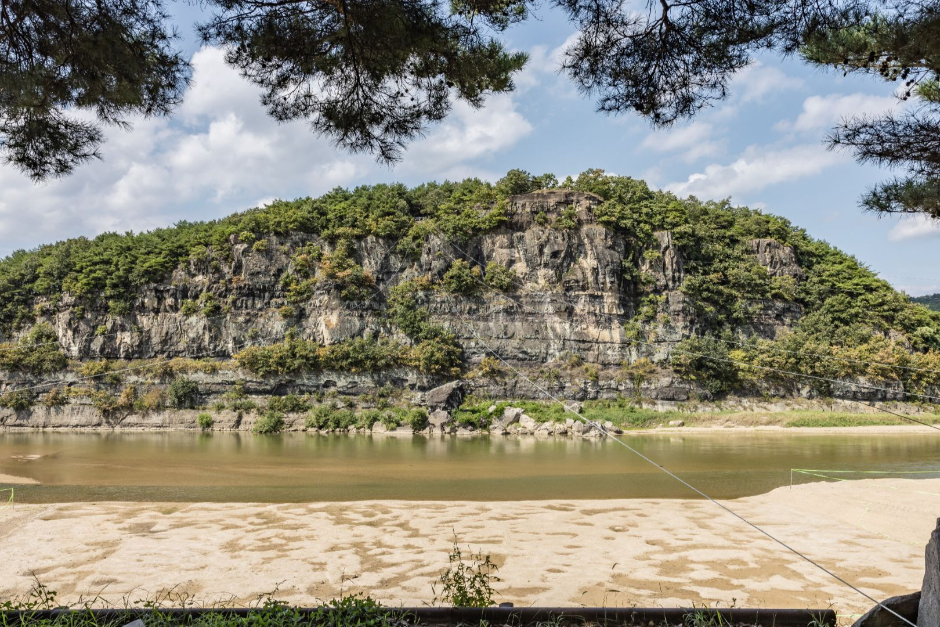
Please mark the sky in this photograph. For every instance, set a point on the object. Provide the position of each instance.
(762, 147)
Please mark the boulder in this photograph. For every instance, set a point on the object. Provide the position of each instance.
(905, 605)
(928, 614)
(510, 416)
(610, 427)
(448, 396)
(379, 427)
(574, 407)
(676, 423)
(439, 419)
(527, 422)
(591, 431)
(671, 393)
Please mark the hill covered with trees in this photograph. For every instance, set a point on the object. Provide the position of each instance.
(931, 301)
(595, 287)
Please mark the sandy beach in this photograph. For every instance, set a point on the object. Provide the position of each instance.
(602, 552)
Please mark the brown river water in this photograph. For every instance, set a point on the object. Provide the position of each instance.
(237, 467)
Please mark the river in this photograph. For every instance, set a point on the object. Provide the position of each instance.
(223, 467)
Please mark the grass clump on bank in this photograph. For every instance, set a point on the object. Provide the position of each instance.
(623, 413)
(329, 418)
(205, 421)
(839, 419)
(269, 423)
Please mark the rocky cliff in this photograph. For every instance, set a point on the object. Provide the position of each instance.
(580, 305)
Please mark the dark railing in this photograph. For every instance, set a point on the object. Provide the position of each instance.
(494, 615)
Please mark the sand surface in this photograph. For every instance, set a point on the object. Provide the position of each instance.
(15, 480)
(604, 552)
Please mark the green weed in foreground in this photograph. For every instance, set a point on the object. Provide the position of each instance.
(349, 611)
(469, 586)
(466, 584)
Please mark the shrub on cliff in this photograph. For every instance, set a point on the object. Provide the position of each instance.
(404, 309)
(56, 397)
(36, 353)
(437, 355)
(329, 418)
(287, 404)
(101, 370)
(16, 400)
(705, 360)
(183, 393)
(416, 418)
(270, 422)
(500, 277)
(348, 277)
(362, 354)
(440, 356)
(205, 421)
(461, 278)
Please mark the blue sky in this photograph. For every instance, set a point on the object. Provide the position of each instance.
(762, 147)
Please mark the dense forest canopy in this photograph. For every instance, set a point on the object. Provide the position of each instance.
(931, 301)
(843, 300)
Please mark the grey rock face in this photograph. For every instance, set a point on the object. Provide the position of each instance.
(573, 298)
(448, 396)
(510, 416)
(905, 605)
(527, 422)
(668, 267)
(779, 259)
(928, 614)
(439, 420)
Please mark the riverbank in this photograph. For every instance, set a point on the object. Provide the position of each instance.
(470, 415)
(793, 421)
(717, 426)
(647, 552)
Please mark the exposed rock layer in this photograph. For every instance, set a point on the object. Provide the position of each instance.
(573, 301)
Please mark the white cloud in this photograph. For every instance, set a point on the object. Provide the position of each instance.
(825, 111)
(757, 80)
(545, 62)
(914, 227)
(221, 153)
(468, 134)
(757, 168)
(694, 141)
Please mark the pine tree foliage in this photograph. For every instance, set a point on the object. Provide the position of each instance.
(900, 44)
(62, 58)
(372, 75)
